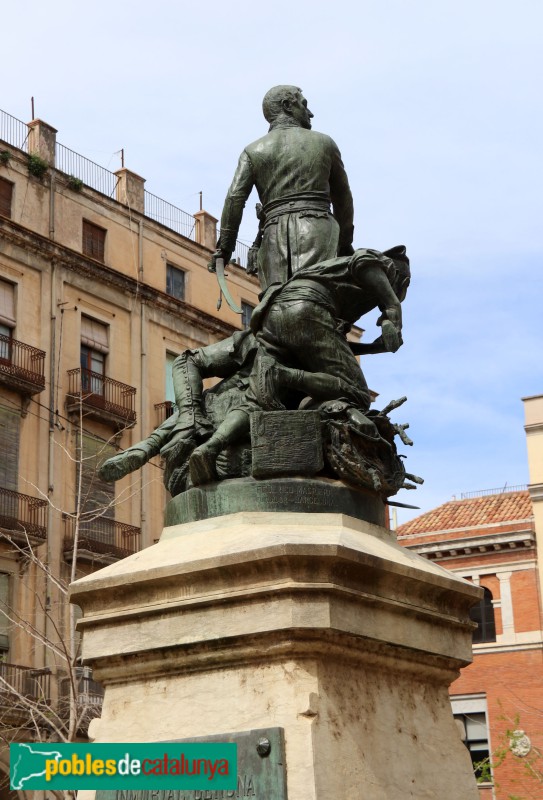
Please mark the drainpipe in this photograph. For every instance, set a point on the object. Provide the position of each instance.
(143, 376)
(50, 458)
(52, 189)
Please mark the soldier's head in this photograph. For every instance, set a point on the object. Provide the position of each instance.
(287, 101)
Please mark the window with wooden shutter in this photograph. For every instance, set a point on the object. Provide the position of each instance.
(7, 320)
(10, 422)
(4, 617)
(7, 304)
(96, 494)
(97, 510)
(175, 282)
(6, 195)
(94, 241)
(94, 347)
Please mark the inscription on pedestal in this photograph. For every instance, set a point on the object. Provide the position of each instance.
(298, 495)
(261, 771)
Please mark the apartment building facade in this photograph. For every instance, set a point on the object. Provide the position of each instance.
(102, 284)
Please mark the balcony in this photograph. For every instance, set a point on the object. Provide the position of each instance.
(21, 366)
(103, 539)
(22, 688)
(90, 696)
(23, 515)
(101, 398)
(18, 684)
(163, 411)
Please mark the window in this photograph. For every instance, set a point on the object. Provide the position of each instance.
(246, 313)
(175, 282)
(6, 194)
(7, 320)
(470, 715)
(10, 426)
(94, 240)
(483, 615)
(5, 344)
(94, 348)
(4, 607)
(96, 495)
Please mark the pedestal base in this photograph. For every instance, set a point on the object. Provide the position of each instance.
(318, 624)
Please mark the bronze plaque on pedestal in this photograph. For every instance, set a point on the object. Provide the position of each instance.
(261, 771)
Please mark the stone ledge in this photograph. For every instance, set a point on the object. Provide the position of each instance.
(220, 582)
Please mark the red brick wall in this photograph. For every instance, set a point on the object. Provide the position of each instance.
(513, 683)
(525, 592)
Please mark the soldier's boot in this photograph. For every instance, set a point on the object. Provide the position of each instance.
(202, 463)
(192, 423)
(129, 460)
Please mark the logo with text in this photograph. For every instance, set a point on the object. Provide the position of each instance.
(166, 765)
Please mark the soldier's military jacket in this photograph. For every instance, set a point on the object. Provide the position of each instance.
(298, 173)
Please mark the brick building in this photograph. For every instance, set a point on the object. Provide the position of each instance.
(489, 538)
(102, 284)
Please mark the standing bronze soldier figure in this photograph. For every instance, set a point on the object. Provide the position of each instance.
(298, 173)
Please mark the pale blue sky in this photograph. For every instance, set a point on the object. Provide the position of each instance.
(436, 107)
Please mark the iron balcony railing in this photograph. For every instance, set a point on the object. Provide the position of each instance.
(102, 394)
(89, 691)
(13, 131)
(89, 696)
(93, 175)
(170, 216)
(21, 366)
(23, 514)
(103, 536)
(164, 411)
(26, 682)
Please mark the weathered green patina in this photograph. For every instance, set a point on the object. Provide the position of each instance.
(261, 771)
(298, 174)
(296, 358)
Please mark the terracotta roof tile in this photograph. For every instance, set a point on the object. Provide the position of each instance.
(461, 514)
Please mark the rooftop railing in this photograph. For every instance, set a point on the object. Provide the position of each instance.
(240, 254)
(486, 492)
(13, 131)
(21, 366)
(91, 174)
(170, 216)
(22, 513)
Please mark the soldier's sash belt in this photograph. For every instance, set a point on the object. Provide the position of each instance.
(305, 201)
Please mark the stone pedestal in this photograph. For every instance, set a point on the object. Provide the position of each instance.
(319, 624)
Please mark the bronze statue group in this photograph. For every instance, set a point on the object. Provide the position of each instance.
(296, 354)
